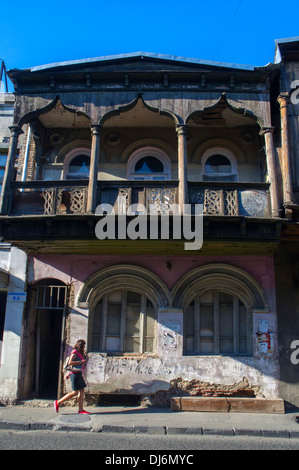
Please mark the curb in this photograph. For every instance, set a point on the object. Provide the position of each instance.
(152, 430)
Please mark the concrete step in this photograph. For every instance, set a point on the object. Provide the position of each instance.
(227, 404)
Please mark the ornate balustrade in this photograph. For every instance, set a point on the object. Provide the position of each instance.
(48, 197)
(70, 197)
(233, 199)
(151, 195)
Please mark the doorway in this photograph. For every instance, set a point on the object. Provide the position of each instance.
(50, 308)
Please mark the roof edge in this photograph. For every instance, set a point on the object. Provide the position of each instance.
(285, 40)
(150, 55)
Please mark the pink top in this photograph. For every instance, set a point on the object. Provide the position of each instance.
(75, 351)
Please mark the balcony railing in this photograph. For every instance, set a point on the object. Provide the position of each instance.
(49, 197)
(231, 198)
(70, 197)
(151, 195)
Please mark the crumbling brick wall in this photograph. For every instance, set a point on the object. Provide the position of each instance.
(179, 387)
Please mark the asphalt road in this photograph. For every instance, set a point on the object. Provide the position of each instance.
(107, 442)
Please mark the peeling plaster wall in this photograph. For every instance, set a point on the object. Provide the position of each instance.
(146, 375)
(14, 261)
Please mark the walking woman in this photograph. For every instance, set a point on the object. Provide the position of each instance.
(77, 358)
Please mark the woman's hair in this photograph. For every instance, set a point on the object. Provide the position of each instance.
(80, 345)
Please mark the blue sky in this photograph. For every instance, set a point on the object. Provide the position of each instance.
(239, 31)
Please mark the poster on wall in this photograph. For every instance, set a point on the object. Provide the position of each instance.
(264, 338)
(170, 331)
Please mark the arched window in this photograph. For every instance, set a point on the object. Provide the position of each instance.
(77, 164)
(79, 167)
(217, 322)
(149, 163)
(219, 165)
(123, 322)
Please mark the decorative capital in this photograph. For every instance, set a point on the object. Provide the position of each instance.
(283, 100)
(96, 129)
(182, 129)
(15, 131)
(266, 130)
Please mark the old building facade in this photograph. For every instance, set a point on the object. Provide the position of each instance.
(134, 134)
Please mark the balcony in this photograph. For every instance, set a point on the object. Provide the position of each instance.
(51, 217)
(70, 197)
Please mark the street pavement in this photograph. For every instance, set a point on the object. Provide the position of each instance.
(148, 420)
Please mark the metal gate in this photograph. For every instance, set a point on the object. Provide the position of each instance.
(50, 297)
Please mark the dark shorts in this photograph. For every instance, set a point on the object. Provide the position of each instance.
(77, 381)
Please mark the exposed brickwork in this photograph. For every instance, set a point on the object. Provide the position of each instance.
(180, 388)
(31, 157)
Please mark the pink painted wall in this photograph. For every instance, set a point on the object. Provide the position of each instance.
(77, 269)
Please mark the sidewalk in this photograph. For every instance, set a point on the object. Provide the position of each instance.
(136, 419)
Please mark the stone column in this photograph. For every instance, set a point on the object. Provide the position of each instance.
(93, 172)
(8, 175)
(271, 166)
(182, 165)
(283, 100)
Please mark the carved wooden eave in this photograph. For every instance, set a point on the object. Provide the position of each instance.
(140, 102)
(55, 106)
(213, 115)
(203, 108)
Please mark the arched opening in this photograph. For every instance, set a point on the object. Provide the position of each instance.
(123, 301)
(149, 163)
(45, 338)
(222, 132)
(214, 276)
(219, 164)
(142, 131)
(76, 163)
(218, 301)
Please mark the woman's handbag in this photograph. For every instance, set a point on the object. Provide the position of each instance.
(72, 367)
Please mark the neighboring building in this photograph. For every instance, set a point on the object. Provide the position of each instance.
(13, 267)
(286, 139)
(153, 131)
(7, 101)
